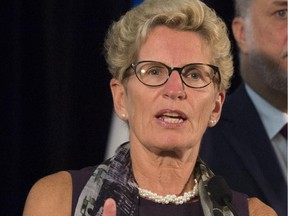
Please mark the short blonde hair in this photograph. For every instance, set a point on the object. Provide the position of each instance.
(126, 36)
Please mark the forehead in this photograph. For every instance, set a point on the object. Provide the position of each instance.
(174, 46)
(269, 3)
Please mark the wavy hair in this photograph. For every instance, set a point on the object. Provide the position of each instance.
(125, 37)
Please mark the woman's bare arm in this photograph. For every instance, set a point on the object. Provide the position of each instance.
(51, 195)
(258, 208)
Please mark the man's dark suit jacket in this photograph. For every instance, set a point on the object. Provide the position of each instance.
(238, 148)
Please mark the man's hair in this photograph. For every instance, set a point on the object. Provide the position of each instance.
(241, 7)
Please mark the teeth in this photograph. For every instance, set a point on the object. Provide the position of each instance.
(172, 117)
(172, 120)
(172, 114)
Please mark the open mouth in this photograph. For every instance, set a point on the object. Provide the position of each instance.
(171, 117)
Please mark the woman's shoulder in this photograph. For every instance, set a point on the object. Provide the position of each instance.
(51, 195)
(258, 208)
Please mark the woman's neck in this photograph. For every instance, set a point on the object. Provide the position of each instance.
(164, 172)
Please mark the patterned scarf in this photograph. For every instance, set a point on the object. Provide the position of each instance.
(114, 179)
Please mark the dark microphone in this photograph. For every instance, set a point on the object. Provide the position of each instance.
(221, 192)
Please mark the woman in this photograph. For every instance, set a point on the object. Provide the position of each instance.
(171, 65)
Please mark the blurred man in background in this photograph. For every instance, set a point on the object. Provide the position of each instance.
(253, 127)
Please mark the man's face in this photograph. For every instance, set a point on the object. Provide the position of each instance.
(266, 37)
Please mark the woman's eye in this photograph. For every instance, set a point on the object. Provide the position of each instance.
(154, 71)
(193, 74)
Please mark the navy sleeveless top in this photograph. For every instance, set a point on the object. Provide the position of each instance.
(147, 207)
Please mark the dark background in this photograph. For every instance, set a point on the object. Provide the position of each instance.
(55, 101)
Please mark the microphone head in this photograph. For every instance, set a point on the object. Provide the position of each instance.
(219, 190)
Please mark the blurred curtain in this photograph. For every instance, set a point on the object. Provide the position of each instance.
(55, 106)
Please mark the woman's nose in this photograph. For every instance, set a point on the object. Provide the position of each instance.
(174, 87)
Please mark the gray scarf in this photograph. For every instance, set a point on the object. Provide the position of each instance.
(114, 179)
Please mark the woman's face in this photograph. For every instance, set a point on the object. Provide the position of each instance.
(171, 117)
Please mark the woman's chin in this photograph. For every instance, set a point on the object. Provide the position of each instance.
(170, 149)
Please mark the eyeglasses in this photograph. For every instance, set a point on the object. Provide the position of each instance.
(195, 75)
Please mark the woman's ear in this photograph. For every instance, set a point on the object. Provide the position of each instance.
(118, 94)
(216, 112)
(238, 28)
